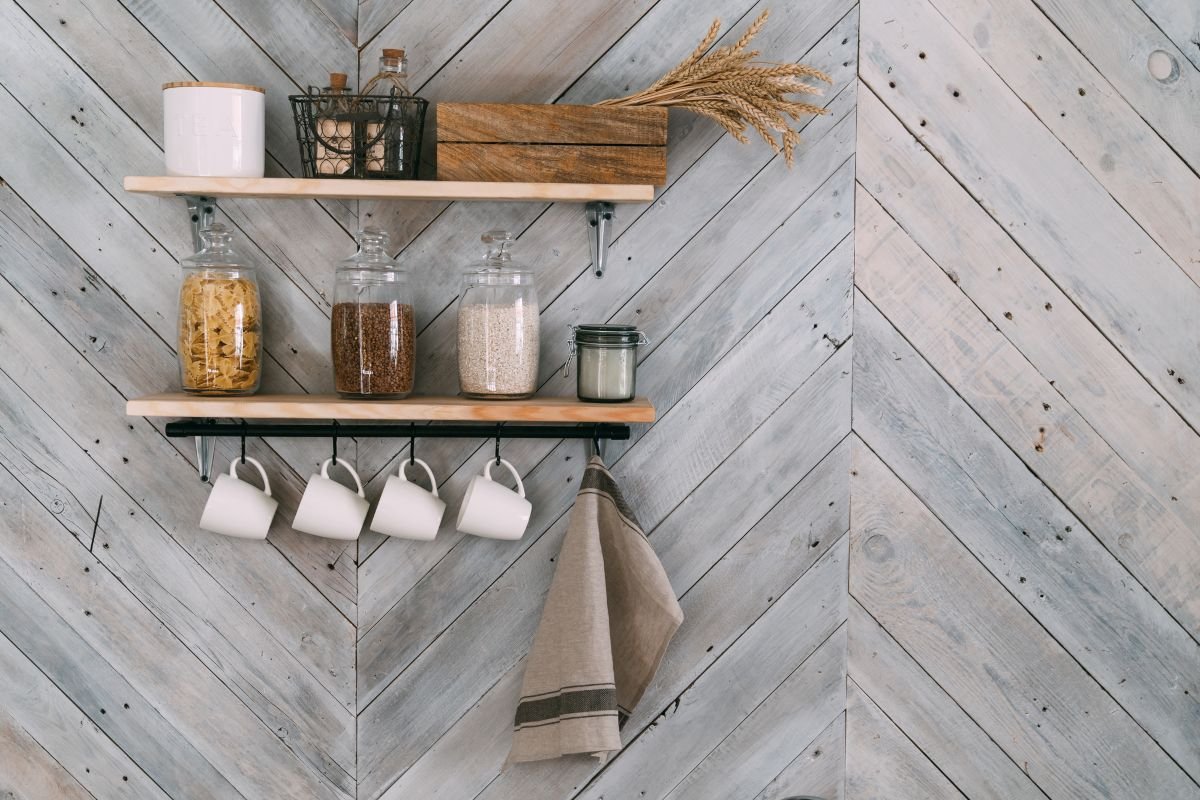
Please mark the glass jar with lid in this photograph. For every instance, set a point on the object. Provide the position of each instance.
(373, 327)
(498, 326)
(606, 362)
(220, 319)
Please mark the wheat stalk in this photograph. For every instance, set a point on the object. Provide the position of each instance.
(729, 86)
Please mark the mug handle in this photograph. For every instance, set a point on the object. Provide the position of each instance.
(233, 465)
(428, 471)
(487, 473)
(350, 469)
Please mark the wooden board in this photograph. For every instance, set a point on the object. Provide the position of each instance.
(418, 408)
(263, 633)
(354, 188)
(529, 123)
(571, 143)
(586, 164)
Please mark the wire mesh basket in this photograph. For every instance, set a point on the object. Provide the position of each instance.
(359, 136)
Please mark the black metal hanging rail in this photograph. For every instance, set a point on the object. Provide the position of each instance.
(397, 430)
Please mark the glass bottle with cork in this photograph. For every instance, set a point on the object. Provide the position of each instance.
(388, 138)
(334, 149)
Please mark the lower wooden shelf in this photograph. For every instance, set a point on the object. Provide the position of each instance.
(415, 408)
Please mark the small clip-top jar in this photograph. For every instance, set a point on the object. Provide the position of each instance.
(498, 335)
(373, 327)
(220, 319)
(606, 359)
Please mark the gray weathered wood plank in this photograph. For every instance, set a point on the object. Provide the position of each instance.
(819, 771)
(31, 702)
(305, 43)
(1179, 21)
(1090, 246)
(1071, 98)
(882, 762)
(30, 772)
(764, 742)
(927, 715)
(89, 655)
(1118, 38)
(977, 642)
(246, 656)
(1049, 330)
(1155, 539)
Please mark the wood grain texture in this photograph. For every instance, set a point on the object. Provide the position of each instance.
(1069, 736)
(528, 123)
(1021, 241)
(566, 163)
(1149, 533)
(167, 186)
(886, 764)
(1090, 247)
(445, 409)
(262, 637)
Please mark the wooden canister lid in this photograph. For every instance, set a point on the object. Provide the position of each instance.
(210, 84)
(389, 52)
(337, 80)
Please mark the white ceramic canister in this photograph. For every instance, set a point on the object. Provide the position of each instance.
(214, 130)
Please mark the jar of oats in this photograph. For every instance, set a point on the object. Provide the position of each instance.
(374, 336)
(220, 319)
(498, 326)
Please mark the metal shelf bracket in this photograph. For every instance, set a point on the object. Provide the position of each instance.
(206, 446)
(600, 217)
(201, 212)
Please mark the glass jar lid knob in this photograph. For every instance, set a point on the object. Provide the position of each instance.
(215, 237)
(498, 243)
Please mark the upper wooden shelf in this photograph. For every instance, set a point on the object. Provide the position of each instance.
(414, 408)
(352, 189)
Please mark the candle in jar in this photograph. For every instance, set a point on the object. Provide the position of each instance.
(606, 373)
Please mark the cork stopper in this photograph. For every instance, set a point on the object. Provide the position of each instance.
(337, 80)
(389, 52)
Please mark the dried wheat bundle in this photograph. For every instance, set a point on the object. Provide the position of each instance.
(728, 85)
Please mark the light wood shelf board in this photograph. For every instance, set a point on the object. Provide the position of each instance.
(415, 408)
(352, 189)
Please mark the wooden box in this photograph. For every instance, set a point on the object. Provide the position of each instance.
(551, 143)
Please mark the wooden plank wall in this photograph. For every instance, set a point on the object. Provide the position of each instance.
(1025, 522)
(1011, 488)
(149, 659)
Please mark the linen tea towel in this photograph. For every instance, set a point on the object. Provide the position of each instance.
(608, 618)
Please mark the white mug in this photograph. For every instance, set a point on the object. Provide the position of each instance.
(214, 129)
(329, 509)
(406, 510)
(237, 508)
(495, 511)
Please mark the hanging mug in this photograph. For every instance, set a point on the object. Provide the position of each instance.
(237, 508)
(494, 511)
(329, 509)
(406, 510)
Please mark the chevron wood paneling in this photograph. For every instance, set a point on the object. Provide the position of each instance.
(1024, 516)
(150, 659)
(924, 475)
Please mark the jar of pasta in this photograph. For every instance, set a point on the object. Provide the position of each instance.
(220, 319)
